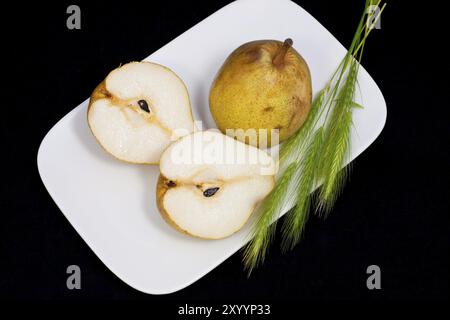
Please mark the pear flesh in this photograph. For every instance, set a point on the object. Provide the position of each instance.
(138, 110)
(263, 87)
(210, 184)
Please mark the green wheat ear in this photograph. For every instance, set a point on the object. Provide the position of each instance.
(264, 226)
(336, 144)
(295, 220)
(312, 156)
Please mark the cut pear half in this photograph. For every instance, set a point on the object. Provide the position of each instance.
(210, 184)
(138, 110)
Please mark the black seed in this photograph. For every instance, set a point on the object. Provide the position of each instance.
(171, 184)
(144, 105)
(210, 192)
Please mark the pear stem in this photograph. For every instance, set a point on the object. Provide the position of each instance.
(279, 58)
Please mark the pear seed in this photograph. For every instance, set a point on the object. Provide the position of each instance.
(210, 192)
(171, 184)
(144, 105)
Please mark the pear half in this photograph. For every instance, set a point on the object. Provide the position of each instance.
(210, 184)
(138, 110)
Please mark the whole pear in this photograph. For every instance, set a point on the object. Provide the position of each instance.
(264, 84)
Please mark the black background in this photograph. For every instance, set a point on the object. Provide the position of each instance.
(393, 212)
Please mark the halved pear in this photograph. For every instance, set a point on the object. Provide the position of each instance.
(138, 110)
(210, 183)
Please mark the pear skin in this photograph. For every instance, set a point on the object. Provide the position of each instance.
(264, 84)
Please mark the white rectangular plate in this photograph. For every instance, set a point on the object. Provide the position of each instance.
(112, 204)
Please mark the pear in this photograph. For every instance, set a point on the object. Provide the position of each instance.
(263, 86)
(138, 110)
(210, 184)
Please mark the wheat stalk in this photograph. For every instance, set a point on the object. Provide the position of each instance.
(313, 156)
(262, 231)
(305, 178)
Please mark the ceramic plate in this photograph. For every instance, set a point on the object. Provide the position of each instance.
(112, 204)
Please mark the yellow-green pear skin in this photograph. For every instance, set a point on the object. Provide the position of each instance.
(264, 84)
